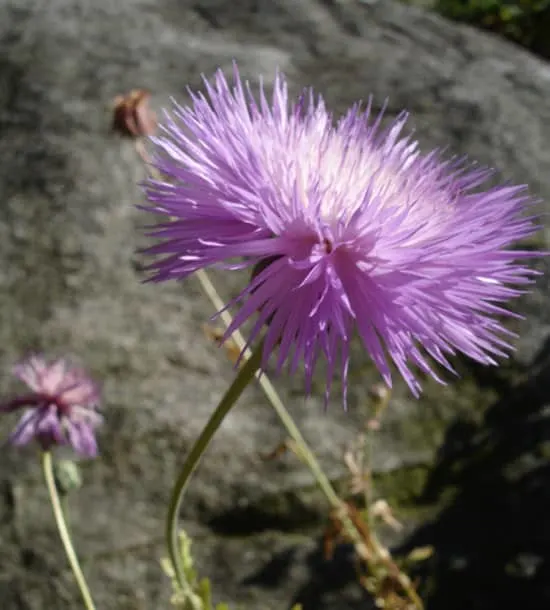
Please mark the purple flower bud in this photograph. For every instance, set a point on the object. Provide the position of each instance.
(62, 408)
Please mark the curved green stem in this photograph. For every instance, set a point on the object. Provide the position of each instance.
(243, 378)
(47, 467)
(271, 393)
(301, 446)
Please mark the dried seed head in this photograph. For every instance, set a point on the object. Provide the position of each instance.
(132, 116)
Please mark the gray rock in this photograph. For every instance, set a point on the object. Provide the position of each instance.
(70, 283)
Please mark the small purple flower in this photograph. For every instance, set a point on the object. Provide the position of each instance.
(62, 408)
(349, 227)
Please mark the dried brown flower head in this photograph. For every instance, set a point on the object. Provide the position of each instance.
(132, 116)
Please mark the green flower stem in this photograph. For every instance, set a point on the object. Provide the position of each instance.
(243, 378)
(304, 451)
(368, 492)
(47, 467)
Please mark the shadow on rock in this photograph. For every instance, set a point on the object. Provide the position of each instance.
(492, 540)
(325, 583)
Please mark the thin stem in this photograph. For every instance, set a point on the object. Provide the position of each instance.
(243, 378)
(368, 491)
(304, 451)
(273, 397)
(47, 466)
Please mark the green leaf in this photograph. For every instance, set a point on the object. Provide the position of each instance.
(205, 593)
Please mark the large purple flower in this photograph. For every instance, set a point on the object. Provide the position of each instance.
(349, 226)
(62, 408)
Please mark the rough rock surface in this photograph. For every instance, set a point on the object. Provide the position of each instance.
(69, 282)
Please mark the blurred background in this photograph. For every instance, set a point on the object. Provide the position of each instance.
(465, 468)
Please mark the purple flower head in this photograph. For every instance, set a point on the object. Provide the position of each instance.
(349, 227)
(61, 409)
